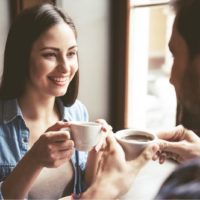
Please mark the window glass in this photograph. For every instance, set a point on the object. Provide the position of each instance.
(151, 98)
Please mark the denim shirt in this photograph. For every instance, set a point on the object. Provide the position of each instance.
(14, 135)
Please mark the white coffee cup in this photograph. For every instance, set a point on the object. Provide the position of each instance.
(134, 141)
(85, 134)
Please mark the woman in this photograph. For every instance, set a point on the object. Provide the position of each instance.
(38, 93)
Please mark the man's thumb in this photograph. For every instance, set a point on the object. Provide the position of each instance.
(146, 155)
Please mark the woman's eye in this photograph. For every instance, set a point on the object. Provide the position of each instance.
(49, 55)
(71, 54)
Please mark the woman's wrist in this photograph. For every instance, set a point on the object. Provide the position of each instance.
(19, 182)
(30, 157)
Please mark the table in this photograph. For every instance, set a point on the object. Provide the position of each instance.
(149, 180)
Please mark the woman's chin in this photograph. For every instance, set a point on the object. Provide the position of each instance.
(60, 93)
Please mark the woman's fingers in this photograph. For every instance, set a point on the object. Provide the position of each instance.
(66, 154)
(101, 144)
(106, 130)
(51, 147)
(56, 159)
(61, 146)
(57, 126)
(56, 136)
(105, 126)
(113, 158)
(111, 142)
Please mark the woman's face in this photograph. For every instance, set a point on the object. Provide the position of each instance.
(53, 61)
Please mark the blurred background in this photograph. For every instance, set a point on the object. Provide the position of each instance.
(124, 59)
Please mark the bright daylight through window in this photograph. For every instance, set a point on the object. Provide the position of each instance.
(151, 98)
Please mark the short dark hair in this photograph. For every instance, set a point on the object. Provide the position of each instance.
(187, 23)
(27, 27)
(183, 183)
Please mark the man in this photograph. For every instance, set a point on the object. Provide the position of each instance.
(184, 45)
(179, 143)
(182, 144)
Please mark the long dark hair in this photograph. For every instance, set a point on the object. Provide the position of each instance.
(27, 27)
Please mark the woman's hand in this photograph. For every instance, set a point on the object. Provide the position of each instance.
(95, 154)
(54, 147)
(106, 130)
(178, 144)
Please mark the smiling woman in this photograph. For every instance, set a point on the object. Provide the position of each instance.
(38, 95)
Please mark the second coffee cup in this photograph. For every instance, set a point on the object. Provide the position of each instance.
(134, 141)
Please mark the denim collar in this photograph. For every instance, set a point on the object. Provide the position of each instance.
(11, 110)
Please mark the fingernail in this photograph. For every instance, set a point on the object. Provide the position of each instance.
(96, 149)
(104, 129)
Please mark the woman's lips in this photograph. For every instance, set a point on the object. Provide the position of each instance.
(60, 81)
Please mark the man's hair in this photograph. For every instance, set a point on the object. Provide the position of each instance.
(183, 183)
(187, 23)
(25, 30)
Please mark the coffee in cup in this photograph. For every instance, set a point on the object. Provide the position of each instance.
(139, 138)
(134, 141)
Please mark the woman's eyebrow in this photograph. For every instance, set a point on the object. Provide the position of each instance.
(57, 49)
(49, 48)
(72, 47)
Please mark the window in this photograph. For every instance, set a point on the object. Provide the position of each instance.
(151, 98)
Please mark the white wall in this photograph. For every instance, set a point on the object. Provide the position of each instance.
(91, 18)
(4, 26)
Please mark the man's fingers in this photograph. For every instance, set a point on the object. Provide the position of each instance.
(174, 147)
(175, 134)
(145, 156)
(162, 157)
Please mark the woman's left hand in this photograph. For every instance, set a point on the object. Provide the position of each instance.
(95, 154)
(106, 130)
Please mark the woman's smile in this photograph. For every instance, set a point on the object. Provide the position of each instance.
(59, 80)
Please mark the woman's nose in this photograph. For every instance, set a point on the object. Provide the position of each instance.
(64, 65)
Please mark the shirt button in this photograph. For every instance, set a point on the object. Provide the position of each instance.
(25, 140)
